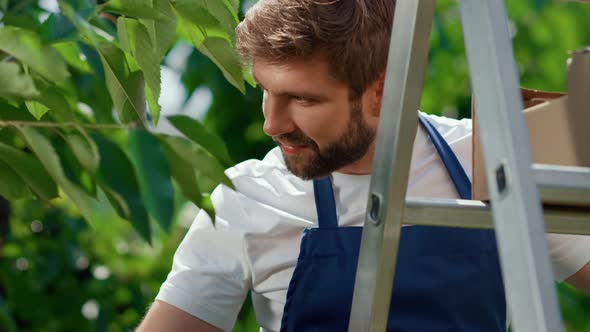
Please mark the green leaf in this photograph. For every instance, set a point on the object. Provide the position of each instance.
(59, 102)
(14, 84)
(125, 37)
(206, 26)
(30, 170)
(221, 10)
(194, 130)
(235, 4)
(73, 56)
(125, 87)
(85, 150)
(249, 77)
(138, 42)
(88, 33)
(13, 186)
(154, 106)
(184, 174)
(148, 41)
(57, 28)
(48, 157)
(219, 50)
(36, 109)
(199, 159)
(186, 177)
(207, 205)
(72, 168)
(8, 112)
(27, 47)
(133, 8)
(224, 55)
(162, 31)
(154, 176)
(118, 179)
(81, 5)
(21, 20)
(210, 25)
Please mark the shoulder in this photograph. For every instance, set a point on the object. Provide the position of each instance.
(451, 129)
(262, 189)
(457, 134)
(255, 178)
(254, 168)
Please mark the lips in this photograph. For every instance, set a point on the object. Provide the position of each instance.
(291, 148)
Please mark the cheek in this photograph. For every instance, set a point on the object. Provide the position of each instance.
(323, 125)
(371, 119)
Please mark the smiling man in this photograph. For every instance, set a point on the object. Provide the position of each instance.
(289, 235)
(303, 110)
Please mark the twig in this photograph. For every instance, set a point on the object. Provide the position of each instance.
(65, 124)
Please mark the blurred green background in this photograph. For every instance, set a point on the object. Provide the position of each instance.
(58, 273)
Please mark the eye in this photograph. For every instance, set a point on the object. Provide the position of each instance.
(302, 100)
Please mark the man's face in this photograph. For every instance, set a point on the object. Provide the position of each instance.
(310, 116)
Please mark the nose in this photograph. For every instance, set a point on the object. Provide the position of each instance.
(277, 116)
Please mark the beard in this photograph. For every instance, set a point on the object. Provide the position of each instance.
(316, 162)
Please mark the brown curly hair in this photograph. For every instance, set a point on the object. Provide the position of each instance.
(351, 35)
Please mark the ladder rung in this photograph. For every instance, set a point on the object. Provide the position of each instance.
(476, 214)
(563, 185)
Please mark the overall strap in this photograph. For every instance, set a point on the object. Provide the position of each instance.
(453, 166)
(324, 202)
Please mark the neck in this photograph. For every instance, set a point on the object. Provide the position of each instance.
(362, 166)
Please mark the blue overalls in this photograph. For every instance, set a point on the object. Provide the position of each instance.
(447, 279)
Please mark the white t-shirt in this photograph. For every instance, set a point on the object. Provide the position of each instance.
(255, 241)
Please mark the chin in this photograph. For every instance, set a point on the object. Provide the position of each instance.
(306, 170)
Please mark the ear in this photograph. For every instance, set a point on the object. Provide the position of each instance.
(379, 88)
(376, 94)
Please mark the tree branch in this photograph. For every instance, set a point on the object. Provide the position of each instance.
(67, 124)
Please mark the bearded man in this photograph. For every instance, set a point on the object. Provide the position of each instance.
(321, 65)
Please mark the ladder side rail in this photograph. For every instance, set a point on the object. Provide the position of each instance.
(515, 199)
(408, 55)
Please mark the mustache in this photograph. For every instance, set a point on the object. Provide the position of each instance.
(295, 138)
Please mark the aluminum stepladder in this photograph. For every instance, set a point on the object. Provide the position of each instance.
(516, 213)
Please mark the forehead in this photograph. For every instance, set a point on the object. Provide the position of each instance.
(310, 74)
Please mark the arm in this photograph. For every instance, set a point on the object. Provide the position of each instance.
(210, 275)
(581, 279)
(163, 317)
(570, 255)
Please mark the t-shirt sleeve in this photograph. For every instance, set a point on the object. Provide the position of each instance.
(210, 274)
(569, 253)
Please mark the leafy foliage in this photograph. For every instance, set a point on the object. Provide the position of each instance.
(87, 51)
(15, 85)
(79, 91)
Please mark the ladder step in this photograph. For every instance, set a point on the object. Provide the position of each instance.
(477, 214)
(563, 185)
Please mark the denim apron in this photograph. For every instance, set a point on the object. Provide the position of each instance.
(447, 279)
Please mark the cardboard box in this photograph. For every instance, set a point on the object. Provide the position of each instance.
(558, 124)
(578, 87)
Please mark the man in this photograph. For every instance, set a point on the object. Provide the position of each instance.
(321, 67)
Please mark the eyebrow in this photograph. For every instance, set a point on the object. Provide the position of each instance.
(304, 94)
